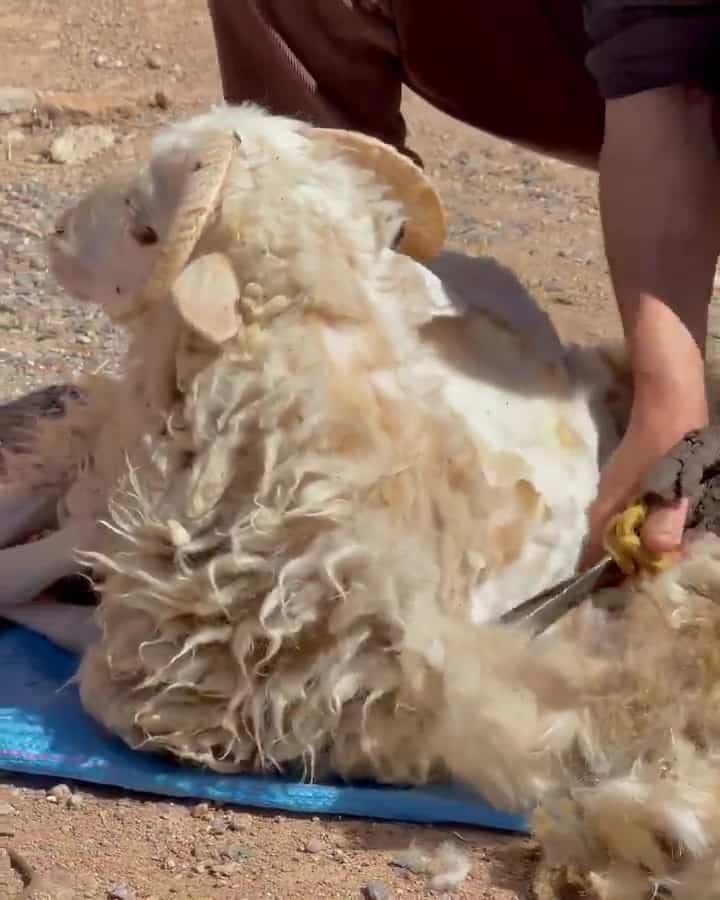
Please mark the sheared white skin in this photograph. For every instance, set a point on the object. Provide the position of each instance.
(520, 392)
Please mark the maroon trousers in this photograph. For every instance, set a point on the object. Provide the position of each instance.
(513, 68)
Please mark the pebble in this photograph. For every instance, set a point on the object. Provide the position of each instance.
(226, 870)
(121, 892)
(60, 793)
(218, 825)
(314, 845)
(237, 853)
(81, 142)
(161, 100)
(16, 99)
(7, 809)
(75, 801)
(13, 137)
(242, 822)
(375, 890)
(154, 61)
(199, 810)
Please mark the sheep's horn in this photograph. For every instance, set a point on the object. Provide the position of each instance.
(424, 232)
(197, 203)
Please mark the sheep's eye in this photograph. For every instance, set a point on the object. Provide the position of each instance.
(146, 235)
(118, 290)
(398, 237)
(59, 231)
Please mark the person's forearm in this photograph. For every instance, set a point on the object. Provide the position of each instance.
(660, 206)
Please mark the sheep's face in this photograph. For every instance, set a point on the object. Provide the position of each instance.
(103, 248)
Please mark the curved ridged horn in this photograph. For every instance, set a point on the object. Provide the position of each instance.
(424, 233)
(197, 202)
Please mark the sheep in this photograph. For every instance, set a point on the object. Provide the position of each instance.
(334, 457)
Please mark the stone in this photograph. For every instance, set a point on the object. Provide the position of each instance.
(79, 143)
(16, 99)
(59, 793)
(314, 845)
(375, 890)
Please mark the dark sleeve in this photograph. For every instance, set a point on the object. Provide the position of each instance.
(637, 45)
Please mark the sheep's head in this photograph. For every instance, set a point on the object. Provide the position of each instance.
(102, 249)
(271, 187)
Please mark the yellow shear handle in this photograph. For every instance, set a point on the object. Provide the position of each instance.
(622, 542)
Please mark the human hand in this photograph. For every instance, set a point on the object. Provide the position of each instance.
(620, 483)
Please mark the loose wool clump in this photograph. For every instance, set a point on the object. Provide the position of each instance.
(322, 476)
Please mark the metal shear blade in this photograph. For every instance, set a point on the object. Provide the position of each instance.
(545, 608)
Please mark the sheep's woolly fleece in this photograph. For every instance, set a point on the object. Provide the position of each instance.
(310, 527)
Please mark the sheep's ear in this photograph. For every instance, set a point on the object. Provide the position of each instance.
(200, 171)
(206, 295)
(423, 236)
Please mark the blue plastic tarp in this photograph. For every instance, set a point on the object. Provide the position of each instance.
(44, 731)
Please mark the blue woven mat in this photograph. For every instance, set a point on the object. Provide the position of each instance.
(44, 731)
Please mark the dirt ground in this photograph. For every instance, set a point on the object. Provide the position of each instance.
(126, 65)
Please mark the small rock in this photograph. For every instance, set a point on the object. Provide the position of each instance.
(169, 864)
(82, 338)
(61, 793)
(199, 810)
(101, 61)
(242, 822)
(154, 61)
(314, 845)
(218, 825)
(75, 801)
(79, 143)
(161, 100)
(7, 809)
(226, 870)
(121, 892)
(16, 99)
(237, 853)
(375, 890)
(13, 137)
(177, 70)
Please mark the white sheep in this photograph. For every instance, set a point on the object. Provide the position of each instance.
(325, 471)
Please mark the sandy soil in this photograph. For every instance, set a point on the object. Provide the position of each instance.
(126, 65)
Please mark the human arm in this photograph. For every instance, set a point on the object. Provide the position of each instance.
(659, 189)
(660, 210)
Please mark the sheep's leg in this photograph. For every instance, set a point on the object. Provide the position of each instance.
(71, 627)
(25, 511)
(27, 569)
